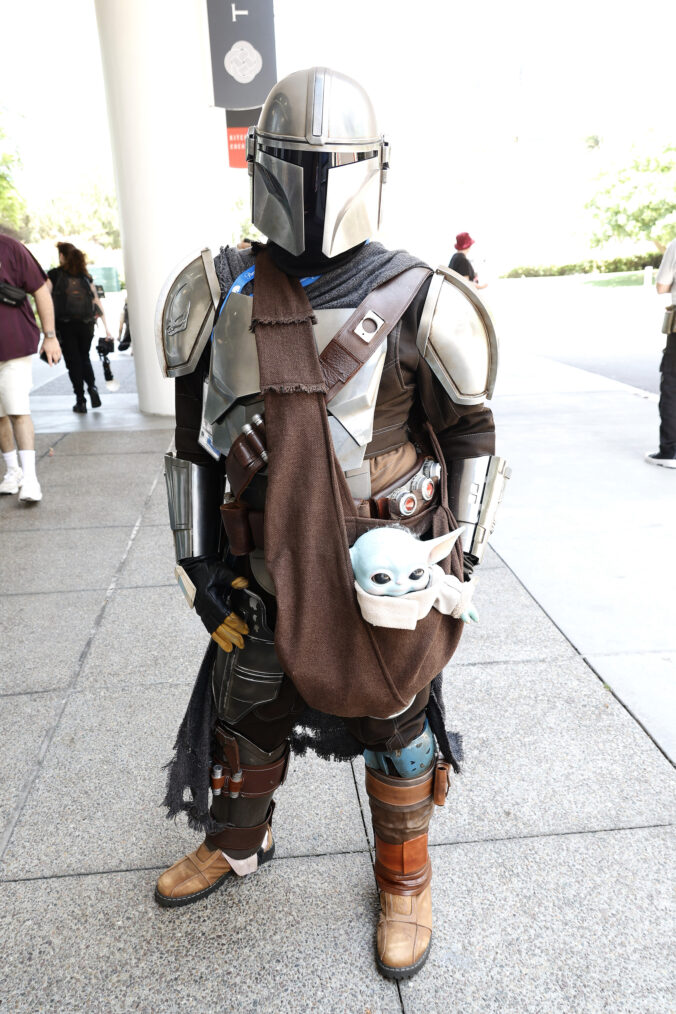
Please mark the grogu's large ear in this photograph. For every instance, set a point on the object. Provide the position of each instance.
(441, 547)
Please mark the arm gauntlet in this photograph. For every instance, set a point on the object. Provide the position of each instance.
(194, 494)
(475, 489)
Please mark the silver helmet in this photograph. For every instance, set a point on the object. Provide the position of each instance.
(317, 164)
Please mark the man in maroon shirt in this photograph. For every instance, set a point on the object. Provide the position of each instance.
(19, 337)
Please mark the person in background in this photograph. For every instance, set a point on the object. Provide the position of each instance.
(666, 283)
(460, 263)
(124, 334)
(19, 337)
(76, 303)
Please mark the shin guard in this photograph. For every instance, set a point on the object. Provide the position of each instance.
(242, 803)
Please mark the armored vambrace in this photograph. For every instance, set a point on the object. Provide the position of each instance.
(194, 494)
(475, 489)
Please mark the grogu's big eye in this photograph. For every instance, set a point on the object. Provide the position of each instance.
(416, 574)
(381, 578)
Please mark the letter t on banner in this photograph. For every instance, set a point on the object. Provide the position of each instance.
(244, 65)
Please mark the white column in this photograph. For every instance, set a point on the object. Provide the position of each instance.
(170, 151)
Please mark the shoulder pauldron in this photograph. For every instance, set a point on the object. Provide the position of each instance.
(457, 339)
(185, 314)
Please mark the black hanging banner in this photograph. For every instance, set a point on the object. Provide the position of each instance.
(243, 59)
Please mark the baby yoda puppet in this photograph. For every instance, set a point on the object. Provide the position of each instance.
(398, 580)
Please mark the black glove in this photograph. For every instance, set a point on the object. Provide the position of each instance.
(213, 584)
(469, 563)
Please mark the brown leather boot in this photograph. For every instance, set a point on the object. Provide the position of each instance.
(401, 809)
(203, 871)
(242, 804)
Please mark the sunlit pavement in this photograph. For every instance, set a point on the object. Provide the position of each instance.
(552, 855)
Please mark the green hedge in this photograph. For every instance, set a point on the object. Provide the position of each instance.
(635, 263)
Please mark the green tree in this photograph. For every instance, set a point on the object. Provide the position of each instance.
(12, 205)
(638, 202)
(90, 216)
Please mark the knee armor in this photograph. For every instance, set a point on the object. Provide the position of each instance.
(409, 762)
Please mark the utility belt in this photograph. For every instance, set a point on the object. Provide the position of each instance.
(407, 497)
(404, 501)
(243, 519)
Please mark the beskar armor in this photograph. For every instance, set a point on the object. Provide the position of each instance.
(475, 489)
(234, 382)
(193, 495)
(317, 164)
(185, 313)
(457, 339)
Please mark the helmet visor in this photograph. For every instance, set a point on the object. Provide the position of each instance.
(315, 166)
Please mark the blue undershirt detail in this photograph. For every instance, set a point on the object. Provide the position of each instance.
(243, 279)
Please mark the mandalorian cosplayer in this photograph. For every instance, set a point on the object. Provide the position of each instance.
(325, 386)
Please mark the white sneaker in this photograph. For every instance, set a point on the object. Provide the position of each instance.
(30, 491)
(12, 481)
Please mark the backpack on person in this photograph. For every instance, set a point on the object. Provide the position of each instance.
(73, 299)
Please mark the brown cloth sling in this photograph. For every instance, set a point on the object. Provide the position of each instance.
(339, 663)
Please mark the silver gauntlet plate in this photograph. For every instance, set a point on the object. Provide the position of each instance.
(457, 339)
(194, 493)
(185, 314)
(475, 489)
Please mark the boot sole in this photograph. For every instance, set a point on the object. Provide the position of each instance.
(189, 899)
(407, 971)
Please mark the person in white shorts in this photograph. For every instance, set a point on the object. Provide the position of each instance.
(19, 336)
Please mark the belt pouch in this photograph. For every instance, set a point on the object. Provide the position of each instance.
(669, 322)
(235, 517)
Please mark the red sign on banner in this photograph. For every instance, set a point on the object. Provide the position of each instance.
(238, 122)
(237, 147)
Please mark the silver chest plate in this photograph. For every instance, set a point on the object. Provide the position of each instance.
(232, 395)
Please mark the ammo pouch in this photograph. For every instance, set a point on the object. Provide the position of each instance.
(669, 322)
(338, 662)
(11, 295)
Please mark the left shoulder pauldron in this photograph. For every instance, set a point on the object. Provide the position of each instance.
(457, 339)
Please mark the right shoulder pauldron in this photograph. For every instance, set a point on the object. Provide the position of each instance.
(185, 314)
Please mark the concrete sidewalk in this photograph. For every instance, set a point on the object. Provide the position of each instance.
(553, 858)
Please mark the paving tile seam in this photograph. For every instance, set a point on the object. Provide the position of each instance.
(30, 693)
(349, 852)
(552, 835)
(163, 866)
(123, 688)
(626, 707)
(45, 454)
(102, 454)
(70, 591)
(64, 528)
(118, 688)
(359, 803)
(30, 780)
(533, 660)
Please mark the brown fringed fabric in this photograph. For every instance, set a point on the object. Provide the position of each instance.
(339, 663)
